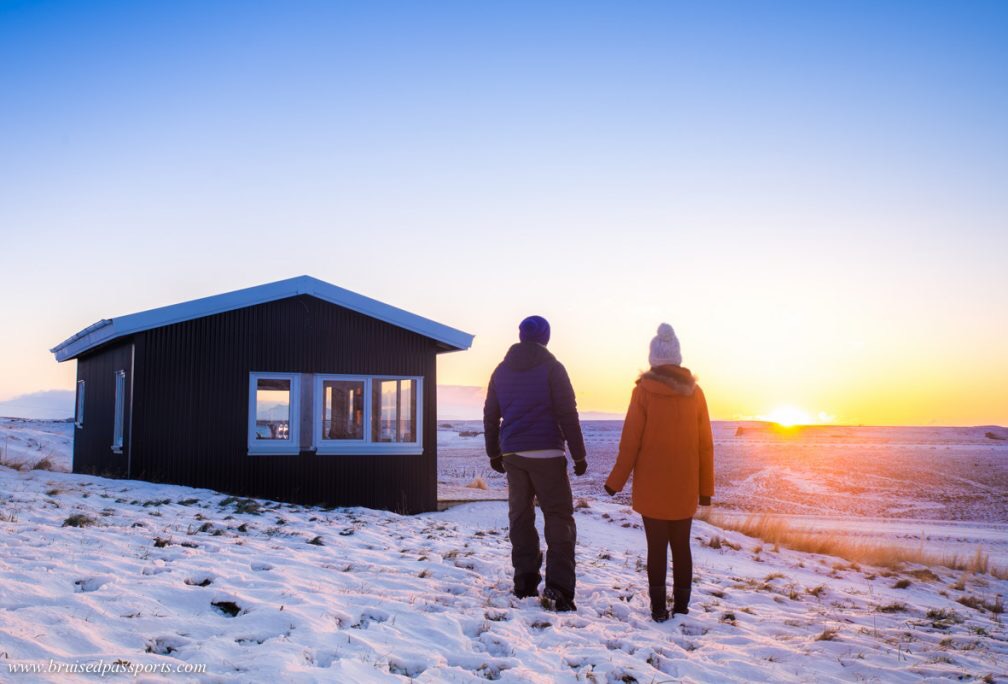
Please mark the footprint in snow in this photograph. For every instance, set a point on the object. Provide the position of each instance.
(692, 629)
(203, 579)
(367, 617)
(496, 646)
(165, 645)
(249, 640)
(91, 583)
(261, 567)
(227, 608)
(540, 625)
(404, 669)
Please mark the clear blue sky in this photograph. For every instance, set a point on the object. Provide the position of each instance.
(806, 191)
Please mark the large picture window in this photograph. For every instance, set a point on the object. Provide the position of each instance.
(367, 414)
(274, 413)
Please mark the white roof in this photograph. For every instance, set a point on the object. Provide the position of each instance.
(109, 329)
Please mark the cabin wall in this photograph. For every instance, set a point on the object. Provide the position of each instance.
(192, 392)
(92, 444)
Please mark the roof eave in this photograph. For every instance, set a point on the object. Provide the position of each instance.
(105, 330)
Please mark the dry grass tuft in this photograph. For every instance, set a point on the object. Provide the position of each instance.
(895, 607)
(828, 634)
(79, 520)
(44, 464)
(478, 483)
(923, 575)
(776, 530)
(976, 603)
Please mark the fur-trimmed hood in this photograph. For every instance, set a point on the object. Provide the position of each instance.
(669, 380)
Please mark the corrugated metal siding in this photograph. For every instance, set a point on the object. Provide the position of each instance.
(93, 443)
(190, 413)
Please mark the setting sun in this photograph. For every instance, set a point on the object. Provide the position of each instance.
(789, 416)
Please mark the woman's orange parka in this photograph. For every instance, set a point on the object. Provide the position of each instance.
(667, 444)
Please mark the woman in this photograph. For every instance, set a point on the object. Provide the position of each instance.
(668, 446)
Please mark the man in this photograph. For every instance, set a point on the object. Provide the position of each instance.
(530, 412)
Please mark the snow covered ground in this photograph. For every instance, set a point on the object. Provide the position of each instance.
(259, 591)
(135, 576)
(26, 442)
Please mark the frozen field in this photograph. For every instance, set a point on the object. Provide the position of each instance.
(161, 580)
(915, 473)
(940, 488)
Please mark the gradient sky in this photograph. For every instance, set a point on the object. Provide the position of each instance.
(815, 195)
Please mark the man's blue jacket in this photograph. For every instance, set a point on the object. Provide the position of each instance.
(530, 404)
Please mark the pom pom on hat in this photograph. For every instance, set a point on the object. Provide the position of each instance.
(665, 348)
(534, 329)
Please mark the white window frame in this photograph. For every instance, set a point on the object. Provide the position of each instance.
(276, 447)
(363, 447)
(119, 411)
(79, 417)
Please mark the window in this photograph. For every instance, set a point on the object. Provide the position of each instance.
(274, 413)
(362, 414)
(393, 416)
(342, 410)
(79, 416)
(120, 406)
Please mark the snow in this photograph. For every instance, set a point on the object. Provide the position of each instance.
(361, 595)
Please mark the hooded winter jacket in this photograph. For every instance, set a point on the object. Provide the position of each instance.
(530, 404)
(667, 444)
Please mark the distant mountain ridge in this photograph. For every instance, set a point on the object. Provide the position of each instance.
(47, 404)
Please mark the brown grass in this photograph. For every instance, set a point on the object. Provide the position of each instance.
(478, 483)
(776, 530)
(828, 634)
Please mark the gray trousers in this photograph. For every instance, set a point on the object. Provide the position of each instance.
(546, 480)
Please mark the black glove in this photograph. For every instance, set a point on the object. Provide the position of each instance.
(497, 463)
(609, 490)
(581, 467)
(705, 501)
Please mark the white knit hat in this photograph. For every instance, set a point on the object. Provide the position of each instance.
(665, 348)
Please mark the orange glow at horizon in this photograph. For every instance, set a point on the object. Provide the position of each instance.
(788, 415)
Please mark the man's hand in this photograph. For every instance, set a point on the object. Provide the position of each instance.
(705, 501)
(581, 467)
(497, 463)
(609, 490)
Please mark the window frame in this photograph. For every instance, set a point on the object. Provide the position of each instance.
(79, 404)
(275, 447)
(119, 411)
(365, 446)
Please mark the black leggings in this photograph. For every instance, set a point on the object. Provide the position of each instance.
(662, 534)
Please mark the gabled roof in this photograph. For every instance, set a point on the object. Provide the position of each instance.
(109, 329)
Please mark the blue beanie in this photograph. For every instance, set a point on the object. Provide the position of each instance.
(534, 329)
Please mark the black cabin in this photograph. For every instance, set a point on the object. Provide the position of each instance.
(297, 390)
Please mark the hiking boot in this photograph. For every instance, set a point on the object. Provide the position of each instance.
(659, 604)
(680, 600)
(526, 586)
(555, 600)
(526, 590)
